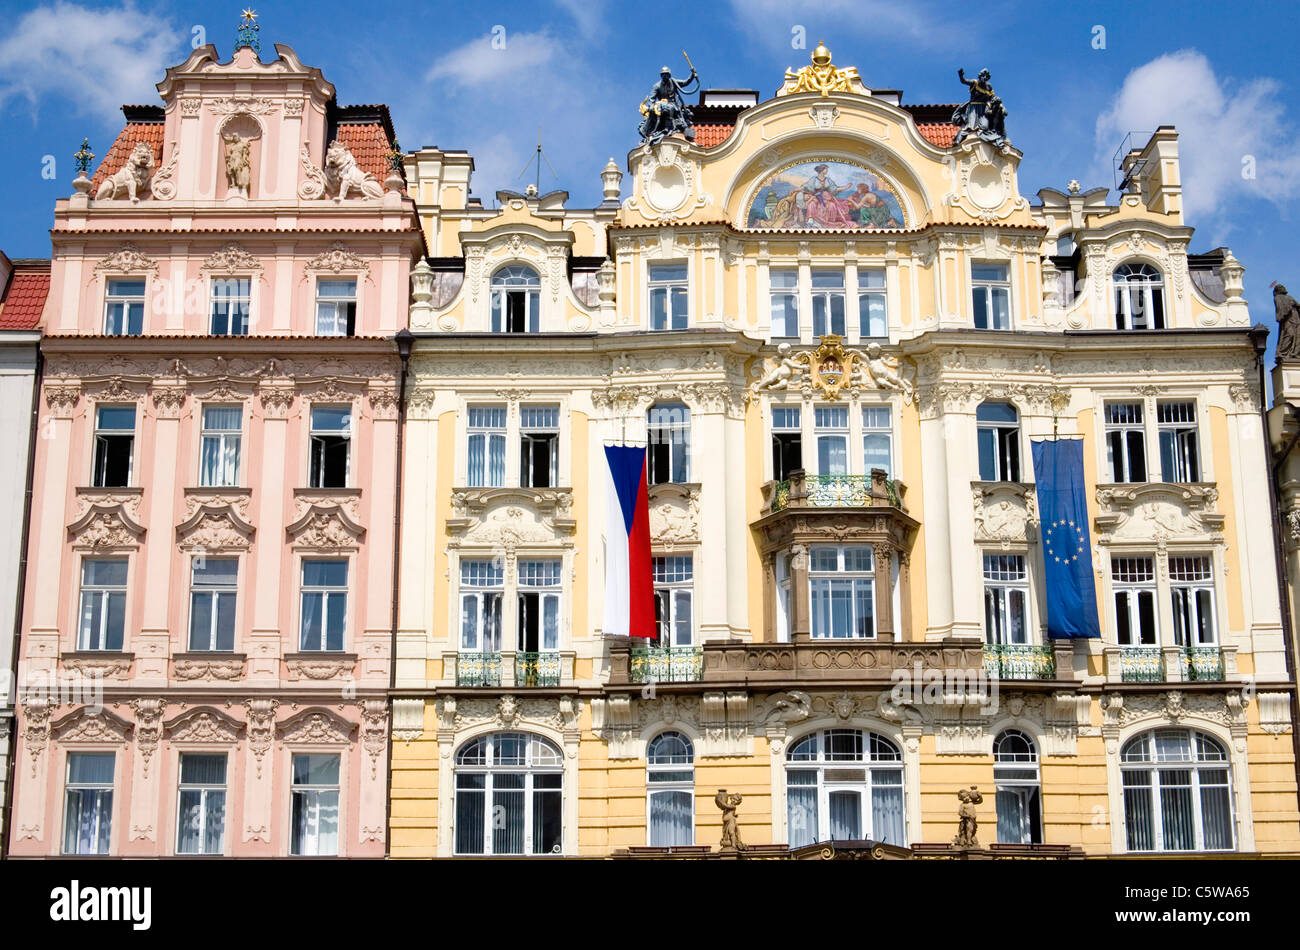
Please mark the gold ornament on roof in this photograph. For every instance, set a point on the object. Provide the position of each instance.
(821, 76)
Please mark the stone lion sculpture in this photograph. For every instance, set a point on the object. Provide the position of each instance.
(342, 174)
(132, 178)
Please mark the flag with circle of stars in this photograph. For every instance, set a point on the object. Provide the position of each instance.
(1067, 547)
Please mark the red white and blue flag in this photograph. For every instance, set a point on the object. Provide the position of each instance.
(629, 585)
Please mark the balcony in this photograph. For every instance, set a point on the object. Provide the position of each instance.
(478, 669)
(537, 669)
(1019, 661)
(666, 664)
(802, 490)
(1202, 664)
(509, 669)
(1170, 664)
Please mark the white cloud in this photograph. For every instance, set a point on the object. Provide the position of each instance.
(1220, 123)
(495, 61)
(589, 15)
(920, 24)
(92, 59)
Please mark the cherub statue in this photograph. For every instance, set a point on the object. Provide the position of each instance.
(967, 819)
(239, 172)
(883, 371)
(1288, 324)
(730, 834)
(783, 374)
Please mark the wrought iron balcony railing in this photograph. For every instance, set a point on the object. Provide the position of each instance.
(666, 664)
(1202, 664)
(835, 491)
(1141, 665)
(1019, 661)
(478, 669)
(537, 669)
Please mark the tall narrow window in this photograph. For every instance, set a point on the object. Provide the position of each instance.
(844, 785)
(998, 432)
(314, 815)
(1191, 584)
(124, 308)
(1126, 442)
(1006, 593)
(1180, 458)
(1134, 583)
(1177, 792)
(324, 605)
(668, 307)
(668, 430)
(841, 592)
(88, 803)
(785, 301)
(991, 296)
(1139, 297)
(670, 790)
(336, 307)
(509, 796)
(221, 443)
(114, 446)
(331, 446)
(831, 424)
(539, 605)
(1019, 795)
(201, 804)
(103, 604)
(873, 316)
(213, 591)
(787, 442)
(486, 455)
(482, 585)
(877, 440)
(232, 302)
(515, 300)
(674, 584)
(539, 446)
(828, 302)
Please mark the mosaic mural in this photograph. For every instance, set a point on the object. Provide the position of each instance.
(829, 194)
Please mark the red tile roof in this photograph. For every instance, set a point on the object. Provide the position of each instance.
(24, 300)
(707, 136)
(369, 146)
(149, 132)
(937, 133)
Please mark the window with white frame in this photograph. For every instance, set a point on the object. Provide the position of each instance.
(539, 446)
(841, 581)
(668, 306)
(668, 434)
(1177, 792)
(844, 785)
(539, 590)
(873, 314)
(324, 605)
(828, 302)
(877, 440)
(784, 296)
(231, 303)
(1006, 599)
(103, 604)
(784, 597)
(124, 307)
(787, 441)
(516, 296)
(331, 446)
(1126, 438)
(482, 587)
(1180, 457)
(88, 803)
(221, 442)
(997, 427)
(670, 790)
(1019, 789)
(518, 780)
(831, 429)
(1191, 587)
(1133, 580)
(486, 447)
(1139, 297)
(314, 808)
(674, 586)
(114, 446)
(336, 307)
(201, 804)
(213, 593)
(991, 296)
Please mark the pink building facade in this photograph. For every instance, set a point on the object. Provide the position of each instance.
(207, 624)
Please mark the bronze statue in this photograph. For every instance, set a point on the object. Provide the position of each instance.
(664, 111)
(1288, 324)
(967, 820)
(983, 113)
(730, 834)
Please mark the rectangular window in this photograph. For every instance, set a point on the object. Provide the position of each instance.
(841, 592)
(213, 586)
(1191, 584)
(991, 296)
(668, 297)
(103, 604)
(1126, 442)
(785, 301)
(1180, 459)
(1006, 595)
(482, 585)
(88, 803)
(997, 432)
(314, 820)
(201, 804)
(539, 605)
(1134, 582)
(831, 425)
(787, 442)
(331, 441)
(877, 440)
(324, 605)
(486, 455)
(828, 302)
(221, 443)
(674, 582)
(114, 446)
(668, 430)
(873, 317)
(124, 308)
(539, 449)
(230, 306)
(336, 307)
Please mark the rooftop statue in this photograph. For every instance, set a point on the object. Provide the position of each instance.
(983, 114)
(1288, 324)
(821, 76)
(664, 111)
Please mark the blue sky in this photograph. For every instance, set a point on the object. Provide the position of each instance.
(1075, 78)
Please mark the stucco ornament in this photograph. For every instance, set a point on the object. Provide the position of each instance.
(312, 185)
(163, 183)
(343, 174)
(667, 184)
(132, 179)
(832, 370)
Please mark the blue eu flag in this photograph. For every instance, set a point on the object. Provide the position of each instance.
(1067, 549)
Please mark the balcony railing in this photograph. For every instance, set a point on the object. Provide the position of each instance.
(1141, 665)
(478, 669)
(537, 669)
(835, 491)
(1019, 661)
(1202, 664)
(666, 665)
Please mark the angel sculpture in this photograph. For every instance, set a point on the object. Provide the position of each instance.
(783, 374)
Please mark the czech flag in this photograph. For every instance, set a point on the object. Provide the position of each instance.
(629, 585)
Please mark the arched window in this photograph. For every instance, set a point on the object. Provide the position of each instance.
(670, 790)
(1139, 297)
(515, 296)
(1019, 799)
(1177, 792)
(844, 785)
(997, 426)
(509, 795)
(668, 431)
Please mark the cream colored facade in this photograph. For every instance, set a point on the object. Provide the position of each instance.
(757, 678)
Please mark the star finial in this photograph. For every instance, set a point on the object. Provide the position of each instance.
(250, 14)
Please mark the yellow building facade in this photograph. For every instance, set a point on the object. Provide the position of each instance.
(838, 334)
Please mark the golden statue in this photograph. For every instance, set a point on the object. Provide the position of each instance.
(821, 76)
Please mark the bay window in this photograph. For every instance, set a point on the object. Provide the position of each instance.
(841, 591)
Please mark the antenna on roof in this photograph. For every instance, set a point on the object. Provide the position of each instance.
(536, 161)
(1128, 165)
